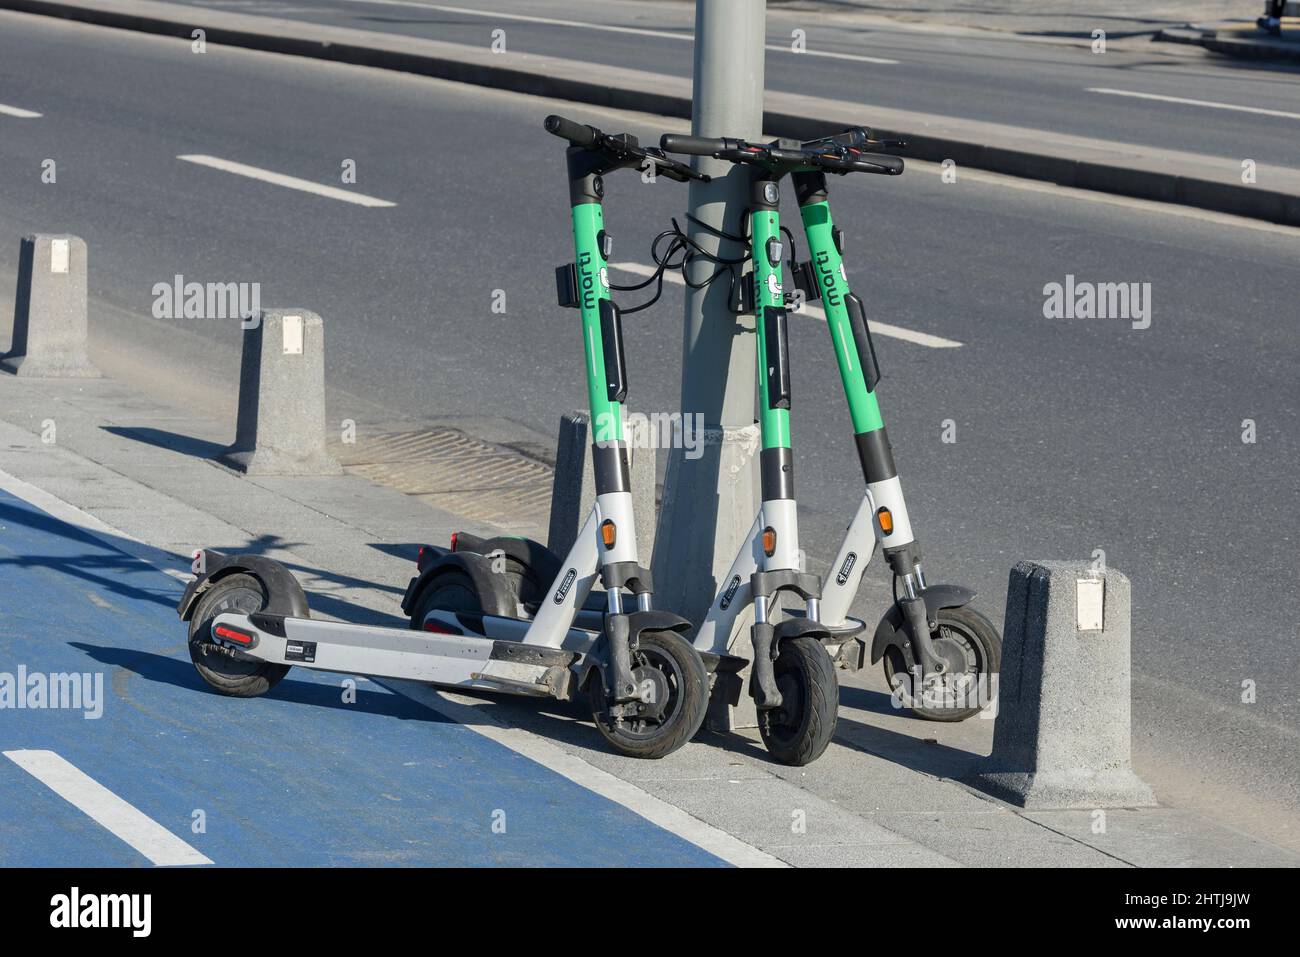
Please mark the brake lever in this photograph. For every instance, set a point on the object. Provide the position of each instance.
(674, 169)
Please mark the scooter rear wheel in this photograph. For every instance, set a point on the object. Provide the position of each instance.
(671, 672)
(972, 647)
(801, 729)
(223, 669)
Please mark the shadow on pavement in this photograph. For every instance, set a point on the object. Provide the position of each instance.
(173, 441)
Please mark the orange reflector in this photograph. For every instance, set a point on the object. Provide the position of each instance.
(769, 541)
(608, 533)
(886, 520)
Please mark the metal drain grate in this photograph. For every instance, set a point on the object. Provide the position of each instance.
(447, 468)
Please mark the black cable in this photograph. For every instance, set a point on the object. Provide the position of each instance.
(687, 251)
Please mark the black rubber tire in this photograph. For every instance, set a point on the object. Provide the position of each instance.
(237, 677)
(452, 590)
(689, 698)
(984, 642)
(801, 729)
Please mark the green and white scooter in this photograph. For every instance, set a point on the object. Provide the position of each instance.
(940, 655)
(792, 679)
(469, 628)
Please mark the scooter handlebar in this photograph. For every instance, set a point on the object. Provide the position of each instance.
(878, 163)
(695, 145)
(578, 134)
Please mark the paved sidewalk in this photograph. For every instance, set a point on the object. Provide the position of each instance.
(883, 795)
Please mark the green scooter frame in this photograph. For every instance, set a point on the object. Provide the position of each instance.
(792, 678)
(940, 655)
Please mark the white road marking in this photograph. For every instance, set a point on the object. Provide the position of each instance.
(1209, 104)
(107, 809)
(110, 536)
(280, 179)
(18, 112)
(815, 312)
(610, 28)
(655, 810)
(859, 57)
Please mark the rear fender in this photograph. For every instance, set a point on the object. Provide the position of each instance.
(493, 588)
(284, 596)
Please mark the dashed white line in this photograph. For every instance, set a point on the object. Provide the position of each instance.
(18, 112)
(815, 312)
(107, 809)
(1208, 104)
(858, 57)
(611, 28)
(280, 179)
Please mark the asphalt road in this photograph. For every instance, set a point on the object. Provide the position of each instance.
(978, 75)
(1072, 435)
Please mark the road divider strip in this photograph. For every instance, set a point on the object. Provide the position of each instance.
(688, 36)
(280, 179)
(105, 808)
(814, 312)
(1127, 169)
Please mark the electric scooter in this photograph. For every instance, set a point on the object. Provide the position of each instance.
(646, 684)
(792, 678)
(938, 652)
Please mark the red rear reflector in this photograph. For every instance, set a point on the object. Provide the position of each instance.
(232, 634)
(438, 628)
(454, 536)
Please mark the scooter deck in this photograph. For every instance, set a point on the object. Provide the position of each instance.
(456, 660)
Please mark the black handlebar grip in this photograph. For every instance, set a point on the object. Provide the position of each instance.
(691, 145)
(878, 163)
(576, 133)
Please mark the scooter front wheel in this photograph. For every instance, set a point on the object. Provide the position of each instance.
(972, 649)
(799, 730)
(673, 684)
(224, 669)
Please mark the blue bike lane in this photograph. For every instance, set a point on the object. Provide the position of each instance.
(296, 778)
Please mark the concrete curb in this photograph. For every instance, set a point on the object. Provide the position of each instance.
(1143, 172)
(1246, 46)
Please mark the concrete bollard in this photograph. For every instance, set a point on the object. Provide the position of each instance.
(724, 476)
(50, 310)
(574, 490)
(281, 424)
(1063, 736)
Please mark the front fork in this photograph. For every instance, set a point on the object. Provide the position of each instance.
(912, 605)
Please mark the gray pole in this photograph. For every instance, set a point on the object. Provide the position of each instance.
(710, 500)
